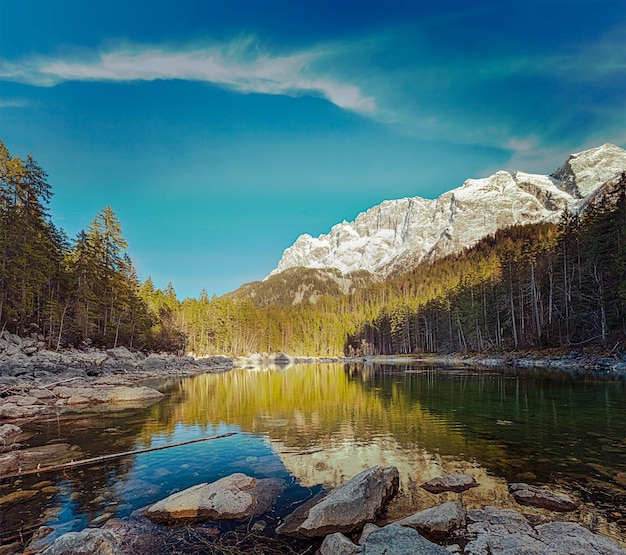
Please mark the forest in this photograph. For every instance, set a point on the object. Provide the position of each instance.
(526, 287)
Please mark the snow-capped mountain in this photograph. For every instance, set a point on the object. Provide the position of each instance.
(399, 234)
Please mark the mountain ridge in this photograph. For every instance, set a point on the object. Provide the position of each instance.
(397, 235)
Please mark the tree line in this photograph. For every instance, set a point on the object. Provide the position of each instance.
(526, 287)
(73, 292)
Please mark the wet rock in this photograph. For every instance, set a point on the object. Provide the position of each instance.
(17, 497)
(29, 459)
(437, 522)
(232, 498)
(620, 478)
(338, 544)
(91, 541)
(394, 539)
(347, 507)
(542, 498)
(450, 482)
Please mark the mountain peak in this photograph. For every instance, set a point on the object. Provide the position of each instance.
(584, 171)
(399, 234)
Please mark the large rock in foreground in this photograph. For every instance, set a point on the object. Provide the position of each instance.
(347, 507)
(232, 498)
(542, 498)
(392, 539)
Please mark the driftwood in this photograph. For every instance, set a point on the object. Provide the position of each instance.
(101, 458)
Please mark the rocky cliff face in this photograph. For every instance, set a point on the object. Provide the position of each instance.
(399, 234)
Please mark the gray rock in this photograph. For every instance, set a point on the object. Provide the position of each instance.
(543, 498)
(394, 539)
(450, 482)
(502, 532)
(347, 507)
(91, 541)
(367, 530)
(122, 353)
(437, 522)
(232, 498)
(8, 431)
(338, 544)
(567, 538)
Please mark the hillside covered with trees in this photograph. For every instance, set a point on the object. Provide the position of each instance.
(527, 287)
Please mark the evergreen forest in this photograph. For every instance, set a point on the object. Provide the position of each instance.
(527, 287)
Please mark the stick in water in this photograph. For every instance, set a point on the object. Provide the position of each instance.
(111, 456)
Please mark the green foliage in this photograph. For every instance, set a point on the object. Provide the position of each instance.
(85, 290)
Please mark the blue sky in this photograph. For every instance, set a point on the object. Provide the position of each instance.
(220, 130)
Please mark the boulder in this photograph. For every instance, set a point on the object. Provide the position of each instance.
(542, 498)
(122, 354)
(570, 538)
(500, 532)
(450, 482)
(437, 522)
(346, 508)
(367, 530)
(232, 498)
(91, 541)
(338, 544)
(394, 539)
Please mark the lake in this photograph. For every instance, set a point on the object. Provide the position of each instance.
(317, 425)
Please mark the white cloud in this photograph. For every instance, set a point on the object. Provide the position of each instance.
(239, 65)
(16, 103)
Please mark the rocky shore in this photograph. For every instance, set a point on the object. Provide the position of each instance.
(347, 520)
(35, 380)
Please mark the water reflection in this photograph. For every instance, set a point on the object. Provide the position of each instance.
(323, 423)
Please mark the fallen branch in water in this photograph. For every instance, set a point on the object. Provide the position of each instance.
(101, 458)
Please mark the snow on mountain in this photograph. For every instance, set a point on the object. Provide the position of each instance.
(399, 234)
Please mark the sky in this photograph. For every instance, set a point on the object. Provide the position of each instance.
(221, 130)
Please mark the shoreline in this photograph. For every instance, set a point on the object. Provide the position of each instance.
(87, 380)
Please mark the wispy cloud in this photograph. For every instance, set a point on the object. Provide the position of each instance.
(14, 103)
(241, 66)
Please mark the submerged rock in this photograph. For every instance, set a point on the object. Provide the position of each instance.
(437, 522)
(232, 498)
(542, 498)
(35, 457)
(91, 541)
(347, 507)
(450, 482)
